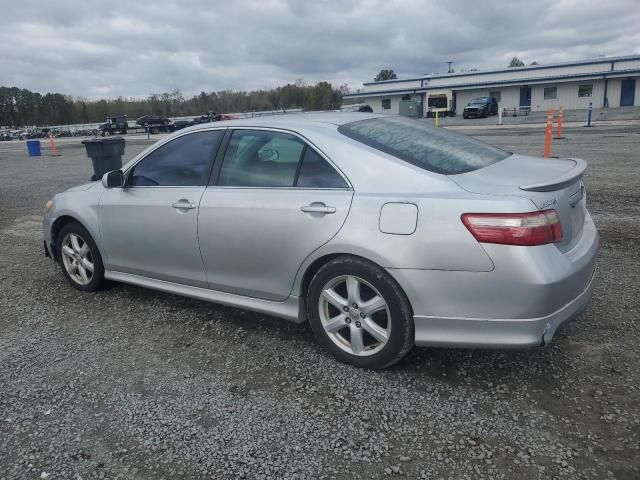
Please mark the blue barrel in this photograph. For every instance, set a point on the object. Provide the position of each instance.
(33, 147)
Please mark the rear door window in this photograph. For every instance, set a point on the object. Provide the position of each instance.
(423, 145)
(256, 158)
(315, 172)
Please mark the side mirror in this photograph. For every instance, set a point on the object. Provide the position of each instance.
(113, 179)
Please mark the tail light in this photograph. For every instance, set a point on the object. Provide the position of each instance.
(534, 228)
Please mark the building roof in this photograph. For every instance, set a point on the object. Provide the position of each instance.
(591, 61)
(603, 67)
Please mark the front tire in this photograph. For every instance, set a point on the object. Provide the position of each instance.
(80, 258)
(359, 313)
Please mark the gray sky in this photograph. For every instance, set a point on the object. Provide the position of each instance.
(108, 48)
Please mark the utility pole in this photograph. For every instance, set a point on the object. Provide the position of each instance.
(450, 69)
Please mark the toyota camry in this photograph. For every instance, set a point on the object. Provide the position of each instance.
(383, 232)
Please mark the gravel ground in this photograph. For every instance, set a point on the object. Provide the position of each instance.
(129, 383)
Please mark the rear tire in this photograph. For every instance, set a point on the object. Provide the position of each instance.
(80, 258)
(359, 313)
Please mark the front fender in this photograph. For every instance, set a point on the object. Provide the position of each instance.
(80, 205)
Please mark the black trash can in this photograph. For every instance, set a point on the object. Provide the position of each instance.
(105, 153)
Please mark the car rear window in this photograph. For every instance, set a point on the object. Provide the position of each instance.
(423, 145)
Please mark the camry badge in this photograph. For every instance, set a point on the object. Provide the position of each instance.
(548, 203)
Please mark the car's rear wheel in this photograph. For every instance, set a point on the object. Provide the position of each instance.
(359, 313)
(79, 258)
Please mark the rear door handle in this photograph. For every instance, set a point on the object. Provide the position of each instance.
(318, 208)
(183, 205)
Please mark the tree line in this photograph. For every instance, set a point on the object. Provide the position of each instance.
(22, 107)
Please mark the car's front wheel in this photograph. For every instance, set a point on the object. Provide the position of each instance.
(79, 258)
(359, 313)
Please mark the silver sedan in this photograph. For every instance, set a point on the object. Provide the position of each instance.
(383, 232)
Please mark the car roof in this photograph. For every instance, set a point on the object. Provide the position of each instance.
(293, 121)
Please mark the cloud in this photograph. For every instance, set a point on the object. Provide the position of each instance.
(122, 48)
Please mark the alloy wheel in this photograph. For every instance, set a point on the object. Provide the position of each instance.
(77, 258)
(354, 315)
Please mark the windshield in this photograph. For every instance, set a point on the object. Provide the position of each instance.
(423, 145)
(477, 101)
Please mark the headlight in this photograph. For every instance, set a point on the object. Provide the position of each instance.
(48, 206)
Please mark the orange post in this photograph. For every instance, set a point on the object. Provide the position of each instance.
(547, 137)
(559, 129)
(54, 148)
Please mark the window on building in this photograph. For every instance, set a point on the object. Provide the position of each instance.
(386, 103)
(406, 97)
(585, 90)
(496, 95)
(551, 93)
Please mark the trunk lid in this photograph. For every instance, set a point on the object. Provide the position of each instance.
(548, 183)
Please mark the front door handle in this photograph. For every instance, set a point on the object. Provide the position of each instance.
(183, 205)
(318, 207)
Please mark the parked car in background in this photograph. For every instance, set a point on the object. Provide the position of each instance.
(205, 118)
(457, 244)
(178, 124)
(360, 107)
(480, 107)
(212, 116)
(152, 120)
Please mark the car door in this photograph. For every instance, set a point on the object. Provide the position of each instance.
(150, 227)
(273, 200)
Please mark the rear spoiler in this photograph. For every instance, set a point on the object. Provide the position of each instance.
(560, 181)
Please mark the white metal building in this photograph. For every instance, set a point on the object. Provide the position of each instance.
(607, 82)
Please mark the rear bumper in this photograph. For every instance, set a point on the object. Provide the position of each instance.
(490, 333)
(530, 293)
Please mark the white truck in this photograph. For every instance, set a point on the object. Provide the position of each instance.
(440, 101)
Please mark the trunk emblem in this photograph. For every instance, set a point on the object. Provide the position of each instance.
(547, 204)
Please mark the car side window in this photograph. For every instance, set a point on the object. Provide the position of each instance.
(256, 158)
(181, 162)
(316, 172)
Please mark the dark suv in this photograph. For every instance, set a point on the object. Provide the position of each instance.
(480, 107)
